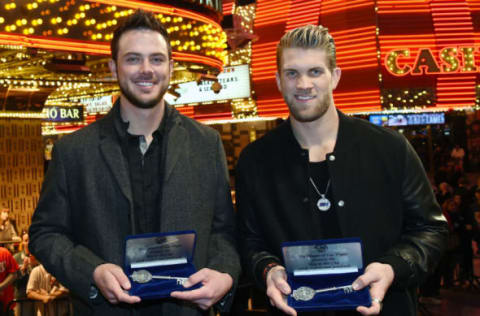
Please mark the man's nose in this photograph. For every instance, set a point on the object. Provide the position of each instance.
(146, 67)
(303, 82)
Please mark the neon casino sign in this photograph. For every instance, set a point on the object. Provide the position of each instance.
(449, 60)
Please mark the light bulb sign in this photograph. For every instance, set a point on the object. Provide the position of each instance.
(64, 113)
(98, 104)
(449, 60)
(212, 4)
(234, 84)
(405, 119)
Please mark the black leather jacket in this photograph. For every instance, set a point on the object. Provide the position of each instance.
(380, 191)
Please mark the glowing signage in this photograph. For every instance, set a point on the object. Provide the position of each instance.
(98, 104)
(213, 4)
(235, 82)
(64, 113)
(407, 119)
(449, 60)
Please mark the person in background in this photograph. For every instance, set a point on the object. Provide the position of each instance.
(444, 192)
(47, 155)
(458, 154)
(43, 288)
(143, 168)
(454, 255)
(26, 262)
(324, 175)
(464, 224)
(7, 229)
(475, 213)
(8, 274)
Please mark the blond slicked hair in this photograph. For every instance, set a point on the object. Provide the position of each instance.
(307, 37)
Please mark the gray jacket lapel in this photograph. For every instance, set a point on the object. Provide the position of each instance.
(112, 152)
(176, 142)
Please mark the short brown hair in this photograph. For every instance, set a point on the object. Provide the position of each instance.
(140, 20)
(309, 36)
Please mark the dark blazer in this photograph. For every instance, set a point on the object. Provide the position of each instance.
(380, 192)
(85, 207)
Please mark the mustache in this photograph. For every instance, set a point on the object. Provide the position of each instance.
(145, 78)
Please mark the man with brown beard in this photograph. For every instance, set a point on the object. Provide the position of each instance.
(323, 175)
(144, 168)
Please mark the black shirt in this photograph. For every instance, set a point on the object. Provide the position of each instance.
(325, 221)
(145, 169)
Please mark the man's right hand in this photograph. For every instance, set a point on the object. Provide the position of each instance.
(278, 289)
(113, 283)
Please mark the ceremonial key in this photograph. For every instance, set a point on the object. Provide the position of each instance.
(143, 276)
(305, 293)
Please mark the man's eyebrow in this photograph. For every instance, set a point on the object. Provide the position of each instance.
(159, 54)
(140, 54)
(131, 53)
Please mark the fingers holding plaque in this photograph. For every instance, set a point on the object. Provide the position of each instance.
(321, 274)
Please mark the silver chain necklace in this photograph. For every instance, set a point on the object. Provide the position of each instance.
(323, 203)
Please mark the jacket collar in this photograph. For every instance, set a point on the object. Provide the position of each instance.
(346, 136)
(110, 146)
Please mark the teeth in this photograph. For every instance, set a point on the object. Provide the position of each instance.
(145, 84)
(304, 97)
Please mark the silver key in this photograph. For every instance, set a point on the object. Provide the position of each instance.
(305, 293)
(144, 276)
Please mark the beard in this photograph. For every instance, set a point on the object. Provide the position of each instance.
(312, 112)
(136, 101)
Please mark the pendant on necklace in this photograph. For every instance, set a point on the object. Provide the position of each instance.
(323, 203)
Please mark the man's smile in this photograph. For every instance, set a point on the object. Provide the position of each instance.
(304, 97)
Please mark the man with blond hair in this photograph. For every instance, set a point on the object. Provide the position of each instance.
(322, 175)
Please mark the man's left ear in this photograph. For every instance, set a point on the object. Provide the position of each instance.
(171, 67)
(336, 74)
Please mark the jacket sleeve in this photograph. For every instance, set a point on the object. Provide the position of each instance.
(425, 229)
(51, 232)
(222, 251)
(254, 252)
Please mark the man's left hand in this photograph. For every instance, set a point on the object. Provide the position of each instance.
(215, 286)
(379, 276)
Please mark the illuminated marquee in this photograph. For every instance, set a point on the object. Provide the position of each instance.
(213, 4)
(450, 60)
(235, 83)
(64, 113)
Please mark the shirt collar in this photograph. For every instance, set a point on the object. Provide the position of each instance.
(121, 127)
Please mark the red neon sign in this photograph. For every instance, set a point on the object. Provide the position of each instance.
(450, 60)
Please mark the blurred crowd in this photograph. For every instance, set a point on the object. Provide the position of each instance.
(26, 288)
(458, 193)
